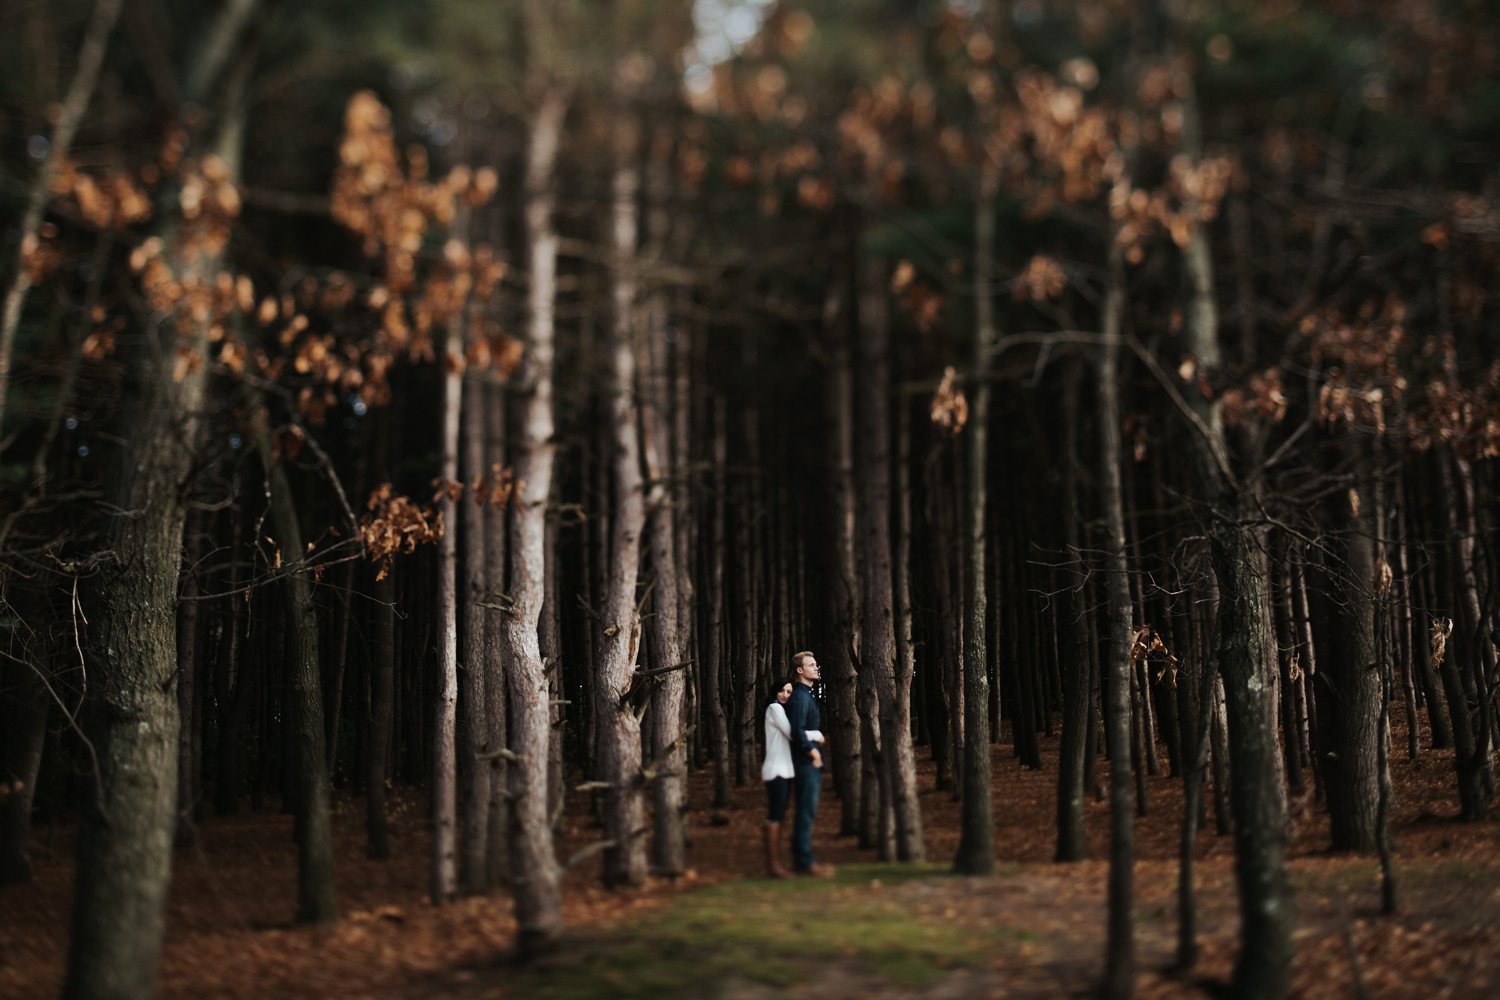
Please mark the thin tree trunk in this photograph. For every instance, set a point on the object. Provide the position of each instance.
(315, 903)
(619, 719)
(1072, 839)
(878, 629)
(80, 91)
(1237, 547)
(976, 845)
(843, 590)
(713, 643)
(444, 758)
(474, 853)
(1353, 786)
(496, 713)
(1119, 965)
(668, 748)
(188, 671)
(909, 843)
(535, 877)
(382, 683)
(1195, 751)
(1468, 693)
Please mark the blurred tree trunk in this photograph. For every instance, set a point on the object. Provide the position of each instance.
(1119, 967)
(713, 642)
(65, 126)
(497, 822)
(619, 719)
(474, 852)
(535, 875)
(382, 703)
(25, 733)
(1353, 785)
(125, 837)
(910, 845)
(315, 902)
(1072, 840)
(1470, 658)
(976, 846)
(444, 757)
(665, 500)
(843, 590)
(188, 671)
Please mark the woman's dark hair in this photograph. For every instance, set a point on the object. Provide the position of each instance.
(781, 682)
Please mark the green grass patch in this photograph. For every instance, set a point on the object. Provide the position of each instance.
(776, 933)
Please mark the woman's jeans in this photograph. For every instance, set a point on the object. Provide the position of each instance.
(808, 787)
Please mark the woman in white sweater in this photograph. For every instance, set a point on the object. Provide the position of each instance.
(777, 773)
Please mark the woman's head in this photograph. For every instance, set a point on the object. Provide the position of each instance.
(782, 691)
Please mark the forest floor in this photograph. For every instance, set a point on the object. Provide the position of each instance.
(1035, 929)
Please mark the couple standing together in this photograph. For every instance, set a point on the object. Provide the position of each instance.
(794, 767)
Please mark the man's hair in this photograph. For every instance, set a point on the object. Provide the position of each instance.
(797, 659)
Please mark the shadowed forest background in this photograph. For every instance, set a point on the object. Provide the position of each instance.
(429, 429)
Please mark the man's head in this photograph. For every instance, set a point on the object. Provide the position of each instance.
(805, 668)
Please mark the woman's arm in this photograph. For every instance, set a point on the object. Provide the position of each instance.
(776, 716)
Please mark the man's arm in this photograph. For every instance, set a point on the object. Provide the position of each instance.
(796, 714)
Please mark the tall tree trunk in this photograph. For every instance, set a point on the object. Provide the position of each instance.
(535, 877)
(619, 718)
(125, 837)
(474, 854)
(188, 671)
(382, 703)
(1237, 545)
(1353, 786)
(1465, 660)
(713, 642)
(976, 845)
(843, 590)
(496, 713)
(80, 91)
(668, 748)
(1072, 839)
(315, 902)
(909, 845)
(444, 757)
(1119, 964)
(878, 630)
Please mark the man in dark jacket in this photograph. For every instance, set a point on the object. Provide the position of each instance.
(806, 723)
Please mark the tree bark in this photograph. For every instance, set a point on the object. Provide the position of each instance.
(620, 719)
(496, 713)
(909, 844)
(125, 836)
(188, 671)
(843, 590)
(535, 877)
(444, 888)
(713, 642)
(1119, 962)
(668, 748)
(878, 628)
(474, 853)
(315, 902)
(1072, 839)
(976, 845)
(382, 703)
(1353, 785)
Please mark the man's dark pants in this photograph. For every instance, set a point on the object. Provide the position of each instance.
(808, 787)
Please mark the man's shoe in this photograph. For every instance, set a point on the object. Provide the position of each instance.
(818, 870)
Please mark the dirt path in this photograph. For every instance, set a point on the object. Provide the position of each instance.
(1035, 930)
